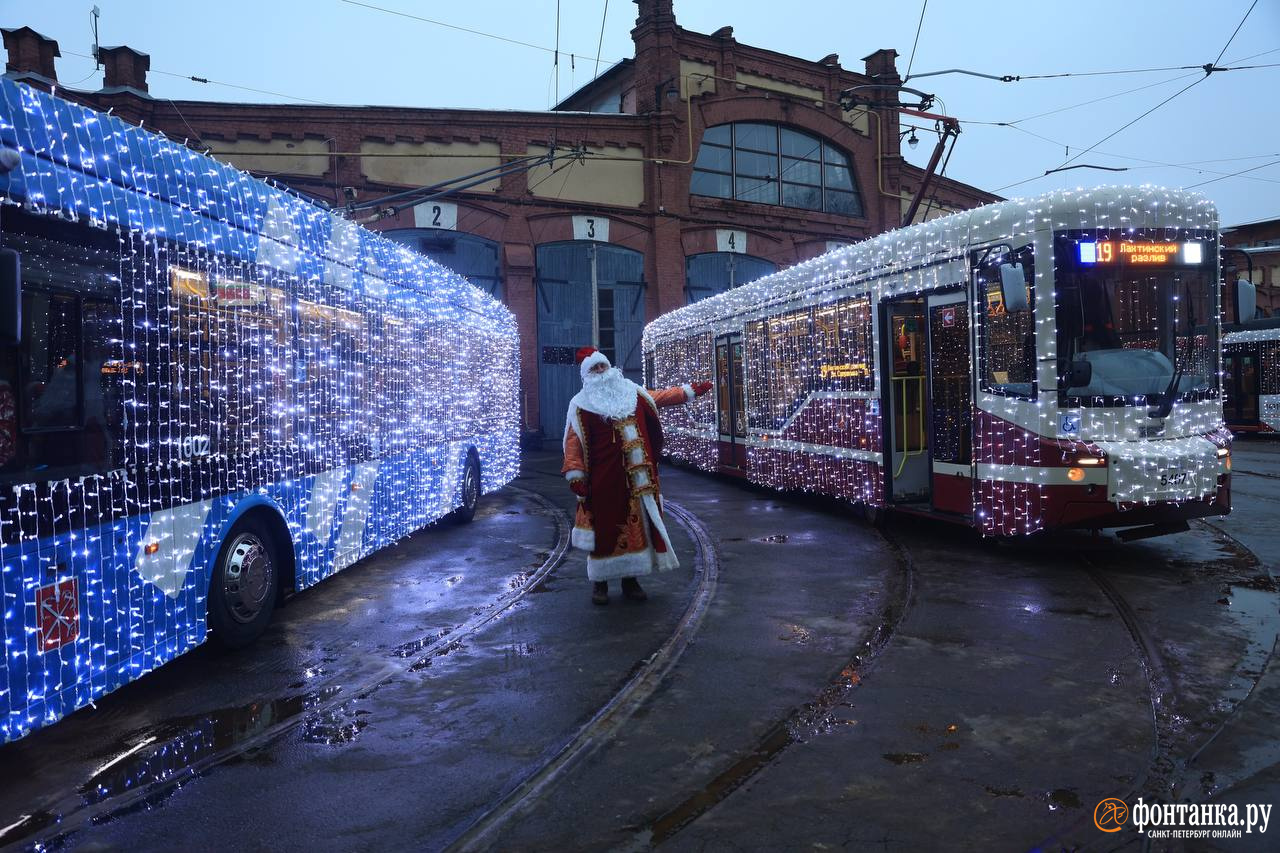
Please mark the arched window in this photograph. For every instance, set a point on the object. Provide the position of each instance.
(466, 254)
(715, 272)
(772, 164)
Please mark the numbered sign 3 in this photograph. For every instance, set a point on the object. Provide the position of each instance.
(591, 228)
(728, 240)
(436, 214)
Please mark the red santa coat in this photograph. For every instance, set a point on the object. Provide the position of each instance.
(620, 522)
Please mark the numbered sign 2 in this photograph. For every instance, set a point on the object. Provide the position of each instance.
(591, 228)
(436, 214)
(728, 240)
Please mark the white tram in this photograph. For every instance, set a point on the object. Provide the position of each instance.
(1032, 364)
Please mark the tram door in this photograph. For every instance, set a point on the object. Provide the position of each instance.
(905, 389)
(950, 395)
(731, 414)
(1240, 370)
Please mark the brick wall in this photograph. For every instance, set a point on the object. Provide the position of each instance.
(667, 226)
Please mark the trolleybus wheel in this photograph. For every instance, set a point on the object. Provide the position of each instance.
(470, 491)
(242, 591)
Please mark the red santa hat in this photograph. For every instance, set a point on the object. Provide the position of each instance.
(589, 357)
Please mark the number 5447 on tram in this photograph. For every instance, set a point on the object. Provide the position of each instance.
(1028, 365)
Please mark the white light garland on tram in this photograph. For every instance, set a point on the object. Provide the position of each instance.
(928, 257)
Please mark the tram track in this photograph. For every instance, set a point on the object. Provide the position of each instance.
(802, 723)
(1166, 775)
(614, 714)
(91, 805)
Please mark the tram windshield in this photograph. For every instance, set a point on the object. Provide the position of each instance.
(1146, 330)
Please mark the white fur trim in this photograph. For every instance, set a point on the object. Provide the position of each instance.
(583, 538)
(651, 508)
(571, 423)
(644, 392)
(629, 565)
(644, 562)
(575, 474)
(591, 361)
(688, 391)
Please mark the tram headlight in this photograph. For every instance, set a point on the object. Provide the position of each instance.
(1075, 475)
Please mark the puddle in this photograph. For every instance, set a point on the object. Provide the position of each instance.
(426, 662)
(411, 648)
(335, 726)
(1258, 612)
(775, 539)
(28, 824)
(1062, 798)
(174, 747)
(795, 634)
(1004, 792)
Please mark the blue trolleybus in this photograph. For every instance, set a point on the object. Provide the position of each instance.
(212, 393)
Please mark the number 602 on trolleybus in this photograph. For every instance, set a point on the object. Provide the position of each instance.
(1023, 366)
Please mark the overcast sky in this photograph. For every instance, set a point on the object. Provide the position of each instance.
(341, 52)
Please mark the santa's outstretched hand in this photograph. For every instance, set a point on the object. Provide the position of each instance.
(700, 388)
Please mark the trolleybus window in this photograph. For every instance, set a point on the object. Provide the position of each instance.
(60, 405)
(1143, 318)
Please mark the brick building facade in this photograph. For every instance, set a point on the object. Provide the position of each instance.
(648, 215)
(1259, 249)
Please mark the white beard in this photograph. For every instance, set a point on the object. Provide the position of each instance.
(609, 394)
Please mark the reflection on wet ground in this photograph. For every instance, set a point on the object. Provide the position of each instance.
(321, 641)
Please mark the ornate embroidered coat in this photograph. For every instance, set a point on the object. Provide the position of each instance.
(620, 520)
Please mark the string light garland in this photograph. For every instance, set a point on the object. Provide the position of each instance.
(1027, 453)
(200, 346)
(1264, 390)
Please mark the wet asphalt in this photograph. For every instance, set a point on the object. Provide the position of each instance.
(913, 687)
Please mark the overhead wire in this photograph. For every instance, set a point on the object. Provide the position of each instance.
(1236, 31)
(1234, 175)
(600, 43)
(919, 26)
(1208, 71)
(481, 33)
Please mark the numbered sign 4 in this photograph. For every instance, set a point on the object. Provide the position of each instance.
(728, 240)
(591, 228)
(436, 214)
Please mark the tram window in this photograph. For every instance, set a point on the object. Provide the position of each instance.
(780, 353)
(680, 361)
(842, 345)
(1270, 373)
(1008, 342)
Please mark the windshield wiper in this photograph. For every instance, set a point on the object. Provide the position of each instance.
(1165, 408)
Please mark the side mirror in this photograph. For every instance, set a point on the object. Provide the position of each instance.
(1246, 300)
(1075, 374)
(1013, 287)
(10, 297)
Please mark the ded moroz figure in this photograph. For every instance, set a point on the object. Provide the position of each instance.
(612, 438)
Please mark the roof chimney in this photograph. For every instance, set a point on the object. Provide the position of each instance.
(30, 54)
(125, 68)
(881, 64)
(654, 12)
